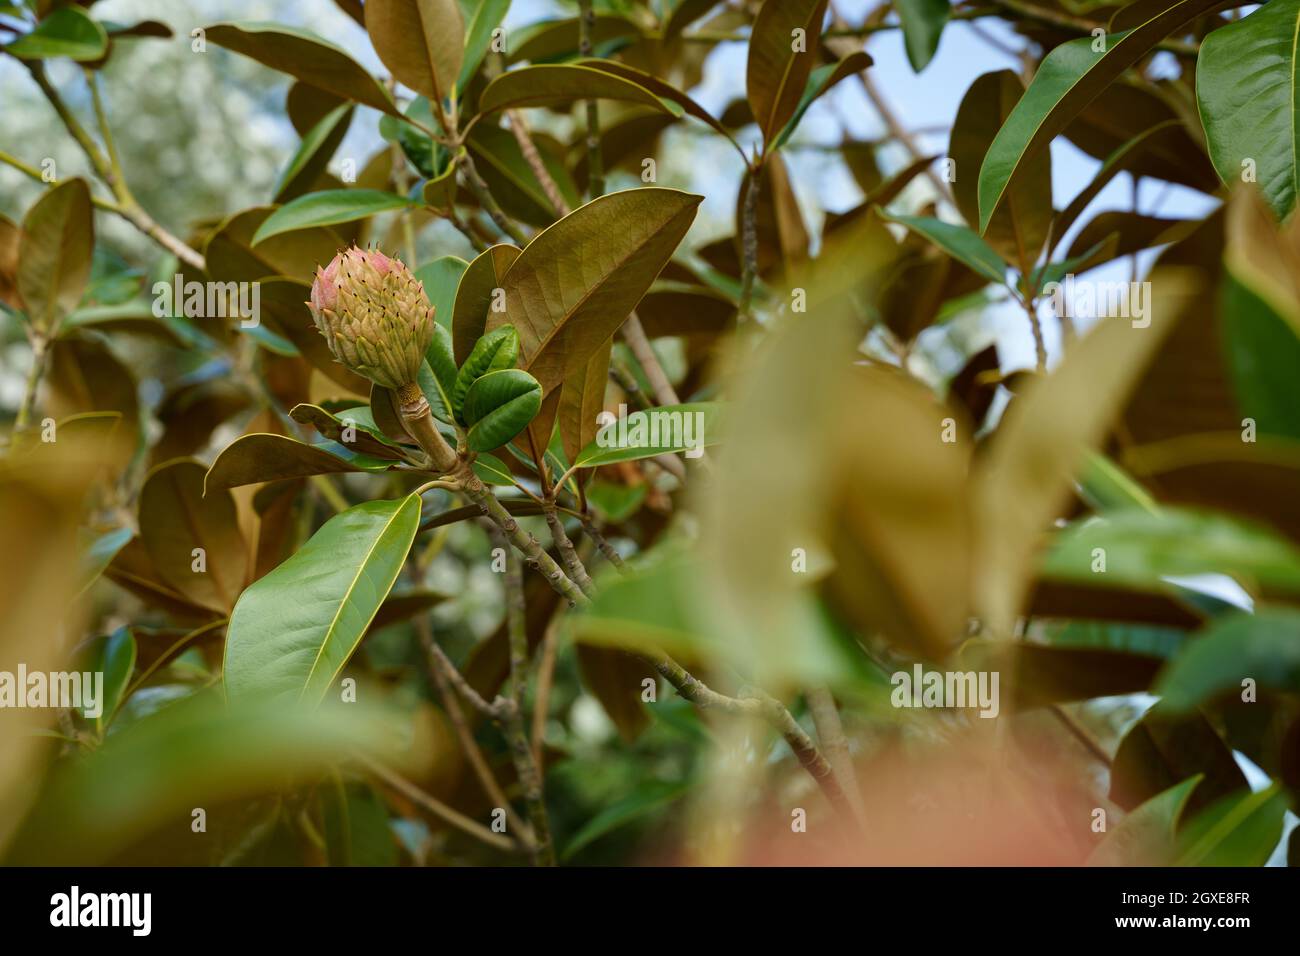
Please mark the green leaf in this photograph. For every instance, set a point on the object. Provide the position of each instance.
(99, 554)
(328, 208)
(1069, 78)
(474, 297)
(356, 826)
(649, 797)
(114, 657)
(1143, 549)
(1263, 353)
(68, 31)
(511, 179)
(666, 430)
(499, 405)
(293, 630)
(486, 17)
(776, 73)
(196, 752)
(1107, 487)
(55, 253)
(439, 193)
(820, 81)
(440, 278)
(305, 56)
(1248, 74)
(576, 282)
(314, 152)
(1146, 836)
(421, 41)
(442, 363)
(1239, 830)
(493, 470)
(560, 84)
(1264, 646)
(958, 241)
(260, 457)
(497, 350)
(923, 22)
(1019, 230)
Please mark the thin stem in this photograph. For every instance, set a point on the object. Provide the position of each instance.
(756, 703)
(749, 241)
(480, 190)
(443, 674)
(512, 723)
(602, 543)
(545, 678)
(37, 175)
(1036, 326)
(568, 553)
(534, 159)
(595, 160)
(830, 733)
(40, 349)
(435, 806)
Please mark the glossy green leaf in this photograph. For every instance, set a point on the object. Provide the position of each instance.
(1264, 646)
(1263, 353)
(1240, 830)
(923, 22)
(492, 470)
(958, 241)
(497, 350)
(1069, 78)
(1019, 230)
(665, 430)
(561, 84)
(329, 208)
(498, 406)
(54, 255)
(99, 553)
(778, 67)
(440, 279)
(1146, 836)
(1141, 549)
(576, 282)
(260, 457)
(558, 40)
(195, 752)
(68, 31)
(305, 56)
(483, 16)
(1107, 487)
(820, 82)
(1248, 77)
(114, 657)
(420, 41)
(294, 630)
(511, 179)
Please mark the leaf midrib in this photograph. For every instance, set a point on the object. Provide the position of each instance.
(352, 585)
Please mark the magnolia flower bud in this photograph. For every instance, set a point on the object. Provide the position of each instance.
(374, 315)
